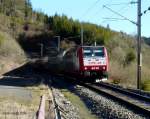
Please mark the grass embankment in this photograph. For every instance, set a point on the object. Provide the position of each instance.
(146, 85)
(11, 54)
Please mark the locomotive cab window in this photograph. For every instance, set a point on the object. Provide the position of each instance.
(99, 53)
(87, 53)
(93, 52)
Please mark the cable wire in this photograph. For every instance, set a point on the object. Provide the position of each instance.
(121, 9)
(119, 15)
(117, 4)
(90, 8)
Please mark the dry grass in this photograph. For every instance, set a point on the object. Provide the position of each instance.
(122, 74)
(146, 85)
(14, 110)
(127, 76)
(11, 54)
(18, 109)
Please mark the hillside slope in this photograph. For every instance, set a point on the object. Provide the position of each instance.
(14, 16)
(11, 54)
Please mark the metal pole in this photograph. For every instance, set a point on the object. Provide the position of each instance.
(139, 61)
(81, 34)
(58, 43)
(95, 43)
(42, 46)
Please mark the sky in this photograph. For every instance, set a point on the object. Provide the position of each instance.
(93, 11)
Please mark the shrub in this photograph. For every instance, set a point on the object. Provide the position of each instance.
(130, 56)
(118, 54)
(1, 39)
(146, 85)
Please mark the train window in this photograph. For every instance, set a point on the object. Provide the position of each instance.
(99, 53)
(87, 53)
(93, 52)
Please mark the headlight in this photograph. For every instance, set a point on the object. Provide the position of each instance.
(104, 67)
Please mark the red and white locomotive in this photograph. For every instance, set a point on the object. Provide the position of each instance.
(83, 62)
(93, 62)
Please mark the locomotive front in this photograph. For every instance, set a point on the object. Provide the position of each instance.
(94, 62)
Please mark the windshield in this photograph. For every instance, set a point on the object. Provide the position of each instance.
(99, 53)
(93, 52)
(87, 53)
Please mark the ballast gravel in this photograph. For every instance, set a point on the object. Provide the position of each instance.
(104, 107)
(67, 110)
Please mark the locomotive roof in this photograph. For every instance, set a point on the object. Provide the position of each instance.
(93, 46)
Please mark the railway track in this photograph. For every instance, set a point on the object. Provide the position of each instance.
(108, 102)
(138, 103)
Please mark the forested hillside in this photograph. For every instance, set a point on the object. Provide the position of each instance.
(19, 22)
(14, 16)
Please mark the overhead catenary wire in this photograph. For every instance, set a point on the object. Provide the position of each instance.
(145, 11)
(110, 20)
(119, 14)
(118, 4)
(97, 1)
(124, 8)
(87, 11)
(90, 8)
(94, 4)
(113, 4)
(107, 18)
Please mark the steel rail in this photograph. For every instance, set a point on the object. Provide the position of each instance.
(121, 99)
(124, 91)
